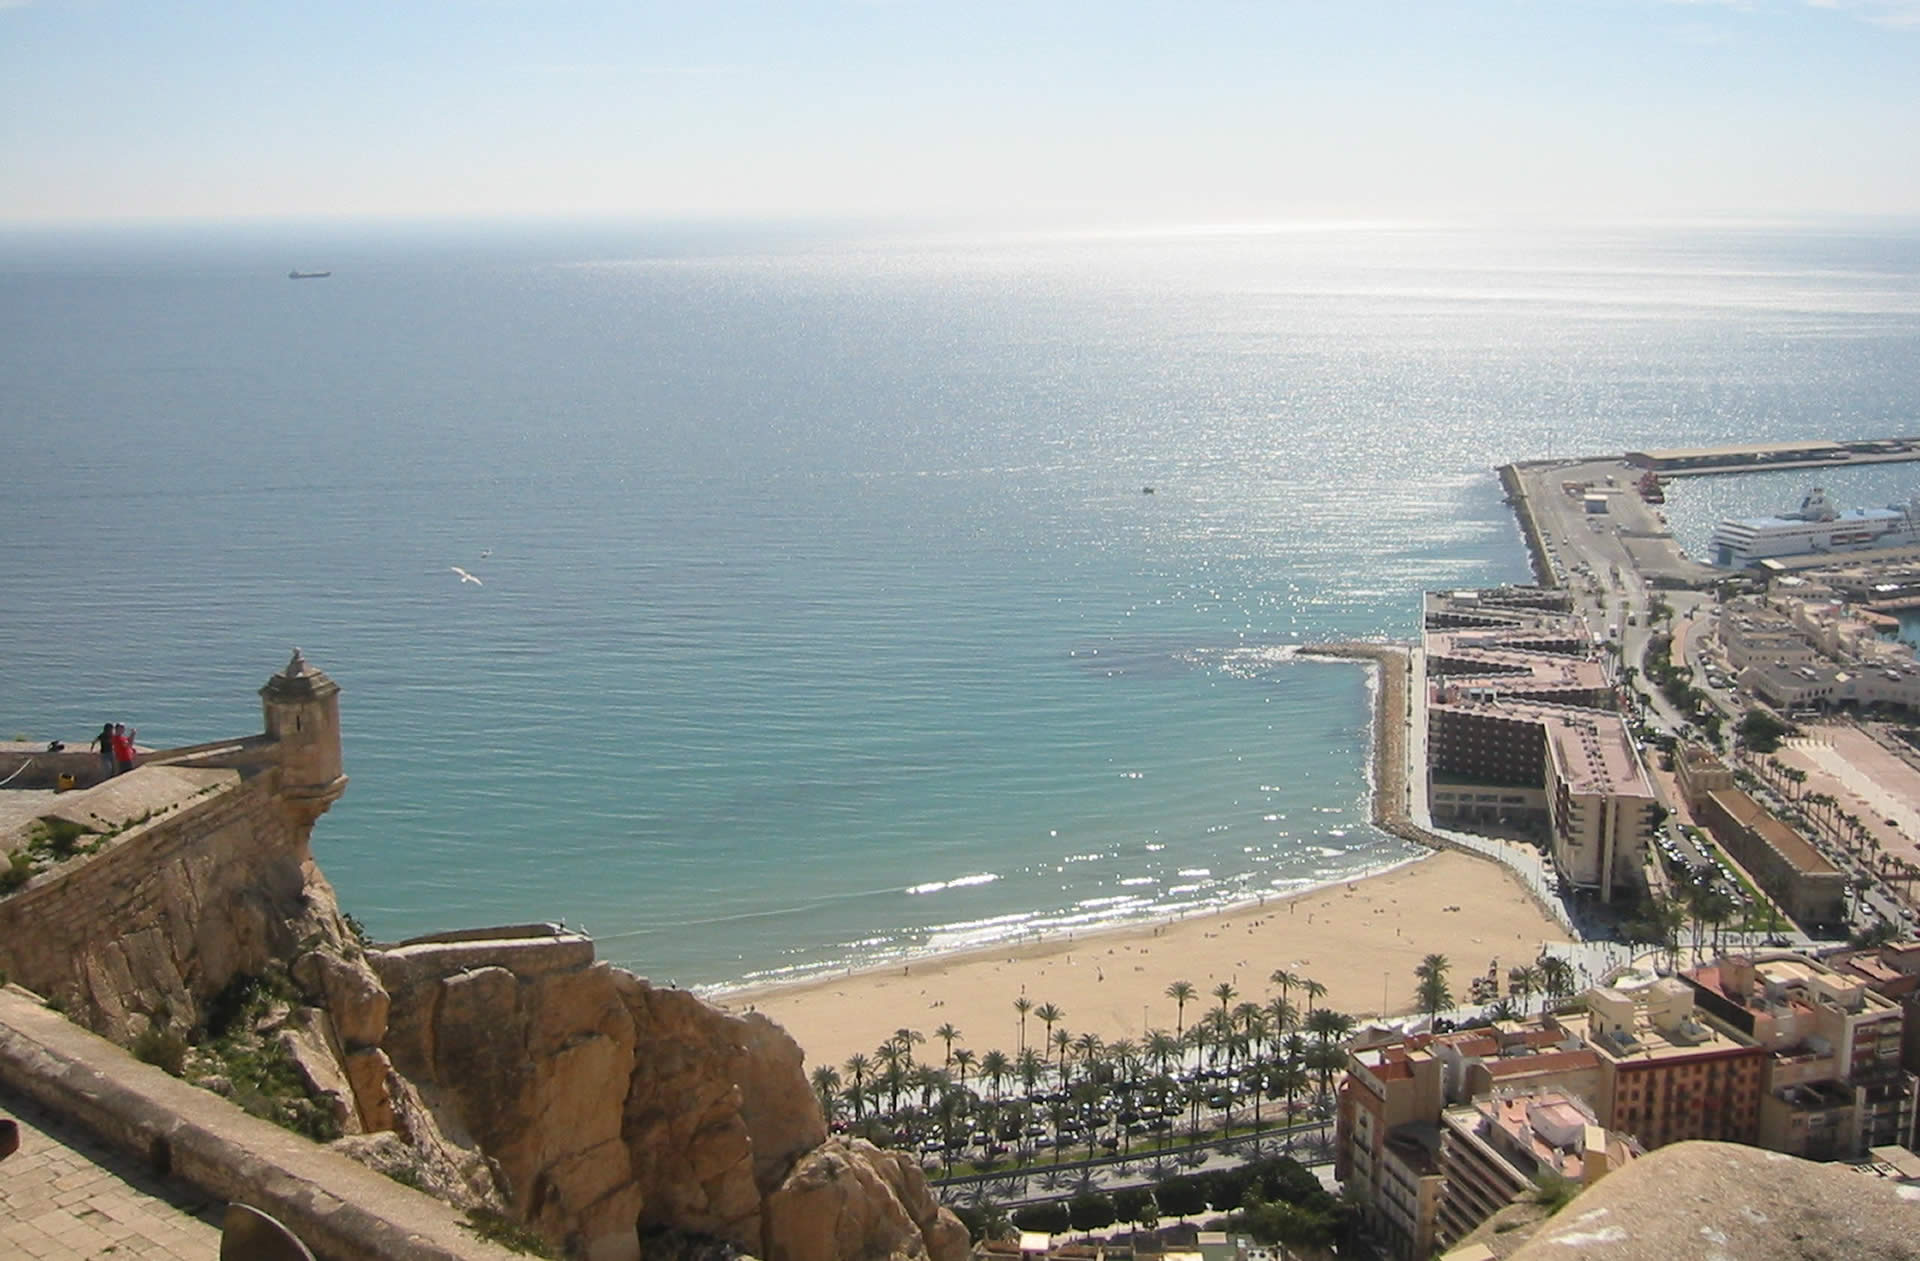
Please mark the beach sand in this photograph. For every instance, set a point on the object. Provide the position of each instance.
(1360, 939)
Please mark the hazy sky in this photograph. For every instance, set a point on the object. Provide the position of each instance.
(1179, 111)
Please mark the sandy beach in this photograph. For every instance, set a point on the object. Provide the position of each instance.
(1360, 939)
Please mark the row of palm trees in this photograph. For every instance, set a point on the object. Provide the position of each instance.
(1846, 828)
(1064, 1086)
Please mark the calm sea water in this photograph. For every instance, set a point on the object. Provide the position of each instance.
(824, 616)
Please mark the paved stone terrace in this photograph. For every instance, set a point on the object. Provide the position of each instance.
(66, 1197)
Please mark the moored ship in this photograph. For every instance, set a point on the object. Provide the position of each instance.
(1816, 528)
(297, 274)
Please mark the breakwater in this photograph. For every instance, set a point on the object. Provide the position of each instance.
(1516, 494)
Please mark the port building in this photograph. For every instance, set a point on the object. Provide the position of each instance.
(1798, 877)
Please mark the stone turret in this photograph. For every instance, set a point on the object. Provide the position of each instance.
(303, 717)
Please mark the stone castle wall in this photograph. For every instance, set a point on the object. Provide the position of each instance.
(168, 911)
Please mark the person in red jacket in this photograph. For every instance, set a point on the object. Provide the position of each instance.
(122, 748)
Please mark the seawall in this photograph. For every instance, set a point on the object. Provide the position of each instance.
(1515, 486)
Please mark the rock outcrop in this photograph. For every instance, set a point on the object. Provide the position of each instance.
(1719, 1201)
(609, 1105)
(854, 1200)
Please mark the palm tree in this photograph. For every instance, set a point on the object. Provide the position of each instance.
(963, 1059)
(1195, 1093)
(857, 1067)
(1557, 976)
(908, 1038)
(1289, 1077)
(1087, 1046)
(994, 1066)
(1285, 1016)
(1048, 1015)
(1162, 1048)
(1286, 981)
(1226, 994)
(1431, 995)
(1220, 1025)
(1086, 1101)
(1062, 1042)
(926, 1079)
(1253, 1021)
(1260, 1072)
(856, 1096)
(1030, 1068)
(1524, 980)
(1179, 992)
(1199, 1037)
(1312, 989)
(1023, 1005)
(947, 1033)
(1664, 918)
(826, 1084)
(1329, 1027)
(892, 1058)
(1125, 1060)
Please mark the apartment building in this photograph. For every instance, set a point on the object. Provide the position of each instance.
(1596, 805)
(1810, 653)
(1496, 1149)
(1668, 1074)
(1387, 1128)
(1833, 1085)
(1527, 665)
(1753, 632)
(1891, 970)
(1510, 607)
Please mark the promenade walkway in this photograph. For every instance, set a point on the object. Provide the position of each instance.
(66, 1197)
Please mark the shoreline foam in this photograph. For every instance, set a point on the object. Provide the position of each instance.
(1113, 983)
(1444, 901)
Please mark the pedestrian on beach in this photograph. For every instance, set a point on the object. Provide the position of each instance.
(122, 749)
(104, 742)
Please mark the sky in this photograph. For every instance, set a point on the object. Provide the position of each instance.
(1199, 111)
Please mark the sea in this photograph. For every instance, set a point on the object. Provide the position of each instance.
(851, 591)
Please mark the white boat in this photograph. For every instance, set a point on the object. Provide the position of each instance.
(1817, 527)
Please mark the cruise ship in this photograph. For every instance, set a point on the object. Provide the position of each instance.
(1817, 527)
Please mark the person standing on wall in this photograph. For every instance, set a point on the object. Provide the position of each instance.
(122, 749)
(104, 742)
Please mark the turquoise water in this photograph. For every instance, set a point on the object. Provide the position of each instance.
(824, 616)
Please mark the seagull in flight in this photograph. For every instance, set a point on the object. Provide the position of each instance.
(466, 577)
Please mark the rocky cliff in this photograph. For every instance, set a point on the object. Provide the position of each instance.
(605, 1106)
(502, 1068)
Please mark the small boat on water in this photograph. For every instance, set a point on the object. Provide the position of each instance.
(297, 274)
